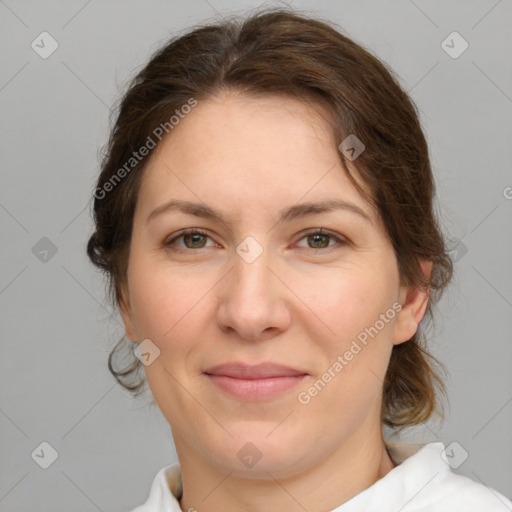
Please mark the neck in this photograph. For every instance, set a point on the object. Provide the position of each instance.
(353, 467)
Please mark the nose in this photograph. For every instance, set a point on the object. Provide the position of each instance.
(253, 300)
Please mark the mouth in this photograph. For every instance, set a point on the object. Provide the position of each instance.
(253, 383)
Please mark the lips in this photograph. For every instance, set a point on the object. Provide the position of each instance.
(260, 371)
(254, 382)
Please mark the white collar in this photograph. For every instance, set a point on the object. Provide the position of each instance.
(421, 481)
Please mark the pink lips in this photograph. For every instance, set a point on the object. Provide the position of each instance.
(254, 382)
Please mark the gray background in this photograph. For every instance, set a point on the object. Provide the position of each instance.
(57, 329)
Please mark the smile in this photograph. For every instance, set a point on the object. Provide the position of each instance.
(255, 389)
(257, 382)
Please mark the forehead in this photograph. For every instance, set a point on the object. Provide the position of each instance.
(238, 150)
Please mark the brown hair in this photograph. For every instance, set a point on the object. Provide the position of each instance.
(279, 51)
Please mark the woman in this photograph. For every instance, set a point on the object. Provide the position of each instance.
(264, 215)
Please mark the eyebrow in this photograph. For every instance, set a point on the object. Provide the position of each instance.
(285, 214)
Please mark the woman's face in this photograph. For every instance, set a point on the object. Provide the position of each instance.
(261, 286)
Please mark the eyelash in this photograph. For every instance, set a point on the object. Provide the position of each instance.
(314, 231)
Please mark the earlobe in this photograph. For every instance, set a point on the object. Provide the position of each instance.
(126, 314)
(414, 305)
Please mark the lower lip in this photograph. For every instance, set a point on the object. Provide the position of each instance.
(255, 389)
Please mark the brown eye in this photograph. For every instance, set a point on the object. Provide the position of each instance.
(318, 241)
(189, 239)
(194, 240)
(322, 241)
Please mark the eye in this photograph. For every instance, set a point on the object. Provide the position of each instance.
(195, 238)
(192, 238)
(320, 240)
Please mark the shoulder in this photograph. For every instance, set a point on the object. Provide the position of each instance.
(455, 493)
(430, 485)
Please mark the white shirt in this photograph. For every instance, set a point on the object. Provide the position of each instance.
(421, 482)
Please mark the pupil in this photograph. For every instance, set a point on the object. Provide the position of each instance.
(318, 239)
(195, 239)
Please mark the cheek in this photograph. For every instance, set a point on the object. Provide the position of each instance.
(165, 305)
(354, 353)
(171, 312)
(349, 300)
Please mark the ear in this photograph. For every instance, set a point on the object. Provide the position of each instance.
(127, 316)
(414, 304)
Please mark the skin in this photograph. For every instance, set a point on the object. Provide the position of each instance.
(300, 303)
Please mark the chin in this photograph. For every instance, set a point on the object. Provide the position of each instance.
(252, 453)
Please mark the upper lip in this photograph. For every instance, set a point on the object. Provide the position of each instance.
(258, 371)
